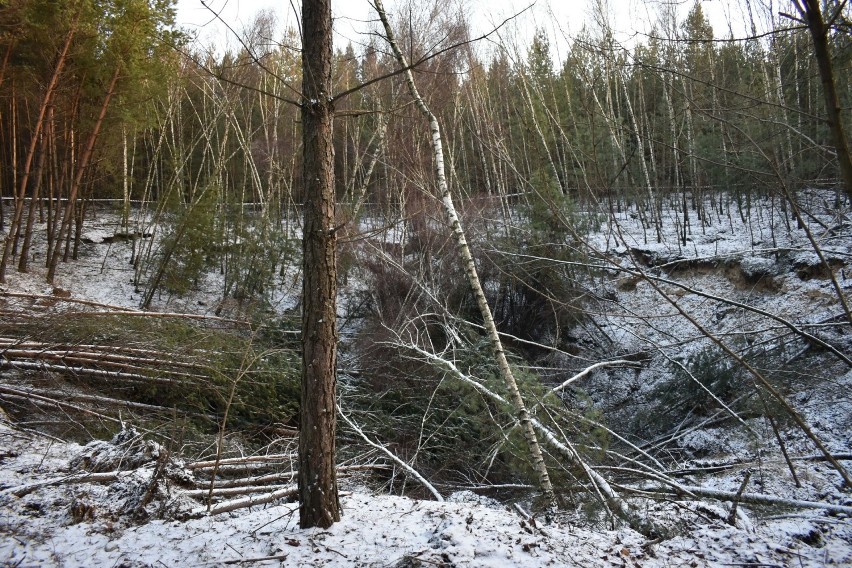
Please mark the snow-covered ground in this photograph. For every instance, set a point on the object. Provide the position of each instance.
(759, 263)
(103, 524)
(104, 272)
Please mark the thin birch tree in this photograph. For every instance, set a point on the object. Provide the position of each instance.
(499, 353)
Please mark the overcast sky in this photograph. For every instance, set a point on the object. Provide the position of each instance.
(558, 17)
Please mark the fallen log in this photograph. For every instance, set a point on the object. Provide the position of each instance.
(288, 476)
(210, 464)
(244, 502)
(84, 371)
(121, 310)
(49, 402)
(750, 498)
(55, 395)
(230, 491)
(97, 353)
(102, 477)
(132, 366)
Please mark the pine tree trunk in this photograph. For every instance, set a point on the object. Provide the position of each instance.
(85, 158)
(21, 192)
(9, 49)
(318, 500)
(28, 230)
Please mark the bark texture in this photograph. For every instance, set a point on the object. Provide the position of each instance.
(318, 499)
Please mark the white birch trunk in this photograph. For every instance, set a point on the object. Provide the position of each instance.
(523, 415)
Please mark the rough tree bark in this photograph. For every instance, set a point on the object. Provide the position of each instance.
(523, 415)
(318, 500)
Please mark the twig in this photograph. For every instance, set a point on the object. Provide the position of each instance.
(589, 369)
(404, 465)
(249, 560)
(732, 515)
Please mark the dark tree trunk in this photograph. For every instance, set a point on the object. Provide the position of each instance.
(85, 158)
(22, 191)
(318, 499)
(810, 11)
(28, 230)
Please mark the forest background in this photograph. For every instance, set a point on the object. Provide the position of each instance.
(105, 102)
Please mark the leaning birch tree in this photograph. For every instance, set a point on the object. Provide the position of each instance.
(522, 413)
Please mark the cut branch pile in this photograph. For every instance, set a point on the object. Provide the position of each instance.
(109, 367)
(144, 472)
(100, 361)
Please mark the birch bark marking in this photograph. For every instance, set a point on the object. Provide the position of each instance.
(319, 505)
(523, 415)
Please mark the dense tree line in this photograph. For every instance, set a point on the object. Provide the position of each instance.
(97, 102)
(77, 79)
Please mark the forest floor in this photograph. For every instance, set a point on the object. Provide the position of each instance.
(129, 502)
(47, 520)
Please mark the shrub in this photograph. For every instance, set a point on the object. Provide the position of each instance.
(185, 250)
(684, 393)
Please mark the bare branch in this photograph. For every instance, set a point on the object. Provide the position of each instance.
(396, 459)
(426, 58)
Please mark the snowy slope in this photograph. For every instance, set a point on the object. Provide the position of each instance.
(103, 524)
(100, 524)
